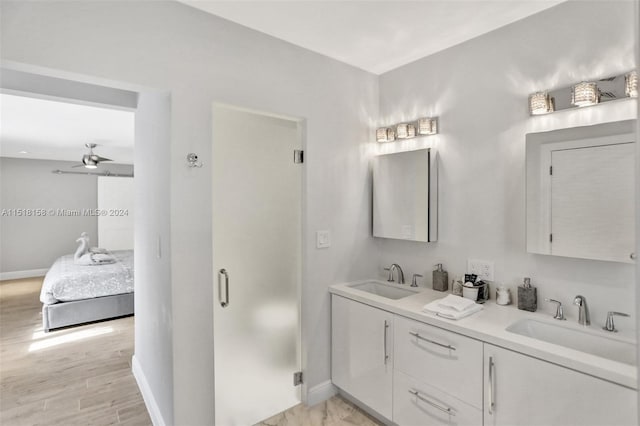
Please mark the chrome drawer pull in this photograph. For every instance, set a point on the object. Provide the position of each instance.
(416, 335)
(449, 411)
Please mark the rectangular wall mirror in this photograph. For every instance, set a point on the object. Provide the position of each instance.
(405, 195)
(581, 192)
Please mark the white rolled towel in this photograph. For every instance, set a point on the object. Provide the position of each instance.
(84, 257)
(83, 247)
(100, 258)
(93, 259)
(92, 249)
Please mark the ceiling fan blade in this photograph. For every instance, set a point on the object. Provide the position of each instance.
(98, 159)
(78, 165)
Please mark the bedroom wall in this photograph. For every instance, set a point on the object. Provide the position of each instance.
(479, 90)
(32, 243)
(201, 59)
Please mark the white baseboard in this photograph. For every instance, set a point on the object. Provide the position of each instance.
(16, 275)
(321, 392)
(147, 395)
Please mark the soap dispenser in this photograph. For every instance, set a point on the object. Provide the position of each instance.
(527, 296)
(440, 278)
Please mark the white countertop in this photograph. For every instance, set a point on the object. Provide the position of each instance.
(489, 326)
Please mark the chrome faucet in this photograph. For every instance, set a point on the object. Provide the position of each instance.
(559, 312)
(583, 310)
(395, 267)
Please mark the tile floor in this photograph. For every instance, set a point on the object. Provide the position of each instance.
(333, 412)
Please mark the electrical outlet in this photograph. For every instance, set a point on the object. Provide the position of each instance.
(482, 268)
(323, 239)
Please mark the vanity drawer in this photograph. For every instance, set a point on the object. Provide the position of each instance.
(416, 403)
(444, 360)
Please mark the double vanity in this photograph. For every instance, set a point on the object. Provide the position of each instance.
(500, 366)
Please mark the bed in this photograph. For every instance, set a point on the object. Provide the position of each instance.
(75, 294)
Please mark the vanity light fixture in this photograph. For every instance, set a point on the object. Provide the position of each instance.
(631, 84)
(585, 93)
(541, 103)
(422, 127)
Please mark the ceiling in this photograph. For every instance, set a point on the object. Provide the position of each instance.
(376, 36)
(53, 130)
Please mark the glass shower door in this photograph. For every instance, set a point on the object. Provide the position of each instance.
(257, 256)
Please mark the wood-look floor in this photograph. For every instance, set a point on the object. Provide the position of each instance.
(74, 376)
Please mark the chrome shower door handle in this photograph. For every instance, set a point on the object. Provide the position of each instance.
(224, 303)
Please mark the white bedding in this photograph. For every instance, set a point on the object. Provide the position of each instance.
(66, 281)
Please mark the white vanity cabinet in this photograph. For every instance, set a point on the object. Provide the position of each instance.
(362, 353)
(521, 390)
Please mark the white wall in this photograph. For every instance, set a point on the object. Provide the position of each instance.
(201, 59)
(34, 242)
(152, 230)
(479, 90)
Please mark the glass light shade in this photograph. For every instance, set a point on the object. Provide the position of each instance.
(381, 134)
(631, 84)
(427, 126)
(385, 134)
(540, 103)
(411, 131)
(584, 94)
(391, 134)
(90, 166)
(402, 131)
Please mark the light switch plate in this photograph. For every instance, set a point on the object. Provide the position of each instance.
(482, 268)
(323, 239)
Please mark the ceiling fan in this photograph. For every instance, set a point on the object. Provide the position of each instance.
(91, 160)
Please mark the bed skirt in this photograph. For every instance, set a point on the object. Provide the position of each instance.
(89, 310)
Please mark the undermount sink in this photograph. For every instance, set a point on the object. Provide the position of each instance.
(390, 291)
(591, 342)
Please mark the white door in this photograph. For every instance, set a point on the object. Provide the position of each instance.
(592, 200)
(362, 352)
(256, 250)
(524, 391)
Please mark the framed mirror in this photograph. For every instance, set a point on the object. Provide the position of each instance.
(405, 194)
(580, 185)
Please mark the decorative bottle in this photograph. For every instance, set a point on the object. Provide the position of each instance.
(527, 296)
(440, 278)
